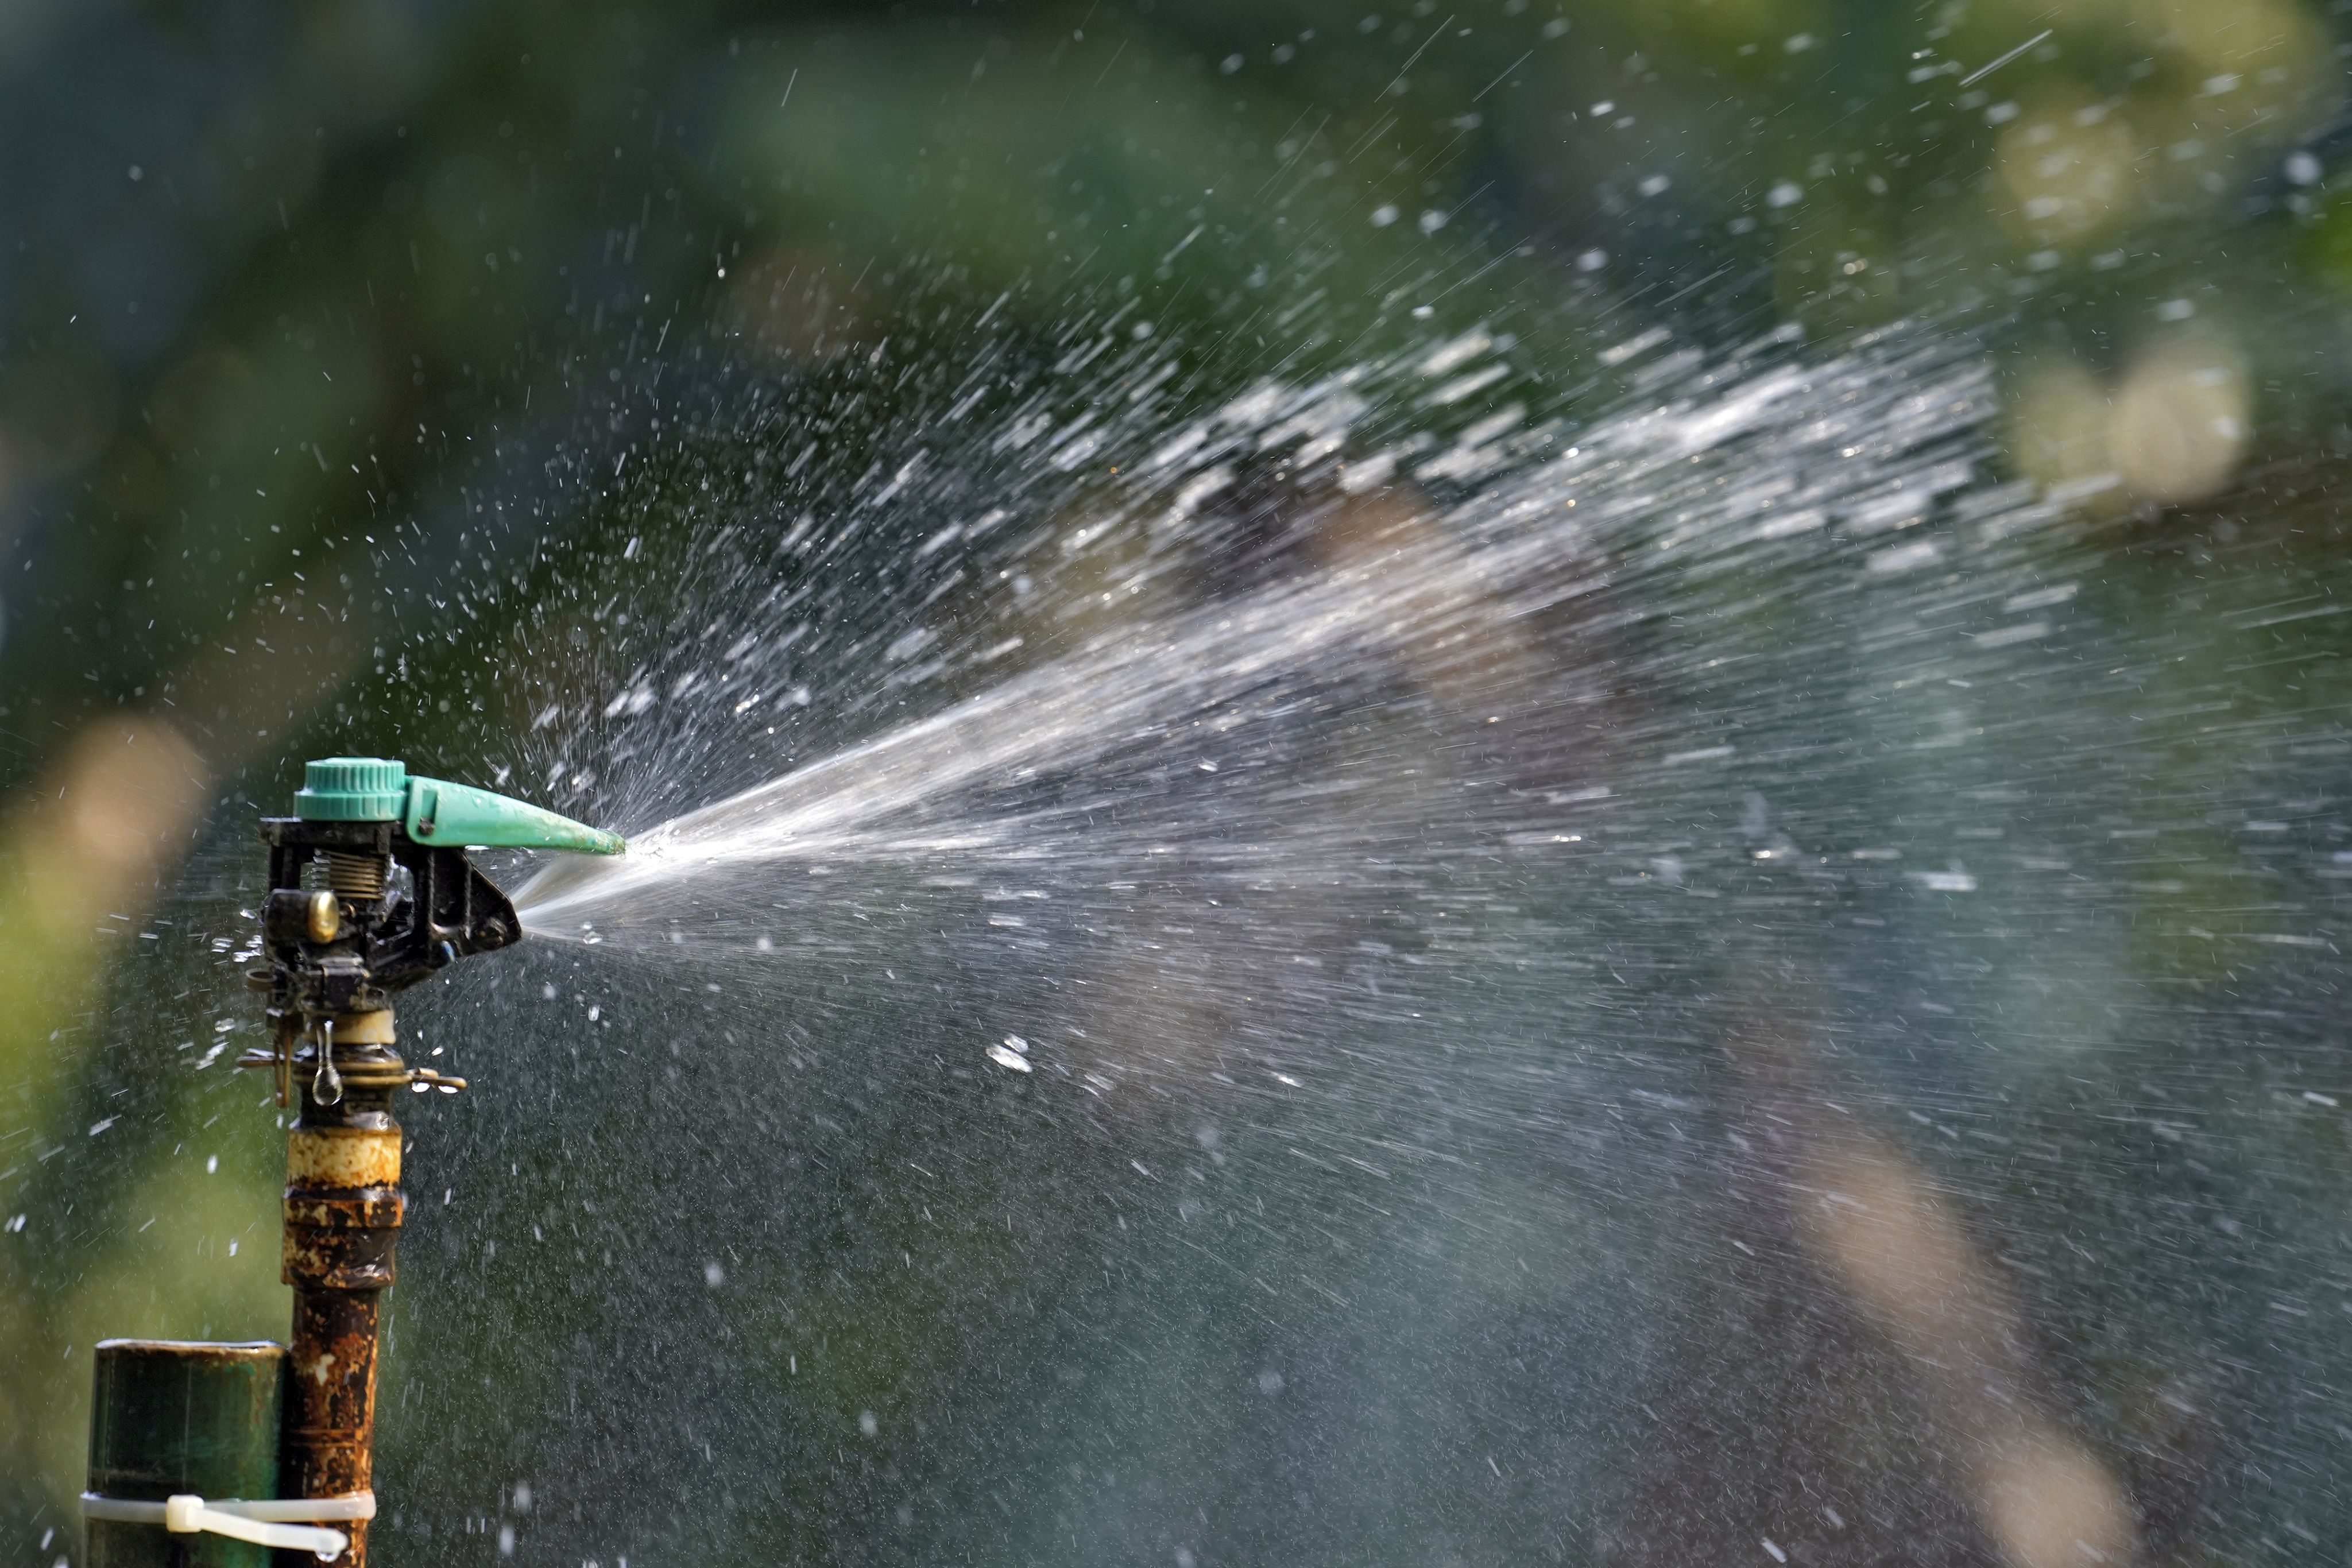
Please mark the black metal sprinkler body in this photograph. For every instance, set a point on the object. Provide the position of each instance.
(370, 891)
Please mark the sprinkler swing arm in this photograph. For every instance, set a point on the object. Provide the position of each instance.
(370, 891)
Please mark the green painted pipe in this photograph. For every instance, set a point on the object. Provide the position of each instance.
(168, 1417)
(430, 812)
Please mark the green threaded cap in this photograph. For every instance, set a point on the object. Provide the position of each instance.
(351, 789)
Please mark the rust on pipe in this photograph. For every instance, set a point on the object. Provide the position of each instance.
(343, 1211)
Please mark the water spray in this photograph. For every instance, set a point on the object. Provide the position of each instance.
(370, 891)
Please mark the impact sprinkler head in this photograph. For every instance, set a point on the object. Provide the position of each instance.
(369, 891)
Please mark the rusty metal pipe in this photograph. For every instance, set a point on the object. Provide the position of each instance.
(343, 1211)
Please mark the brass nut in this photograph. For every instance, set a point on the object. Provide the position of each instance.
(372, 1027)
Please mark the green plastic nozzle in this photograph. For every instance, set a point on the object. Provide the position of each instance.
(380, 789)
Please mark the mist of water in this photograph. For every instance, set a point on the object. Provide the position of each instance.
(1502, 609)
(1338, 894)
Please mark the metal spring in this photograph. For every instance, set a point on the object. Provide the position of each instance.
(356, 875)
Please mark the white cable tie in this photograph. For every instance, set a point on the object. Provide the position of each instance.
(264, 1521)
(358, 1505)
